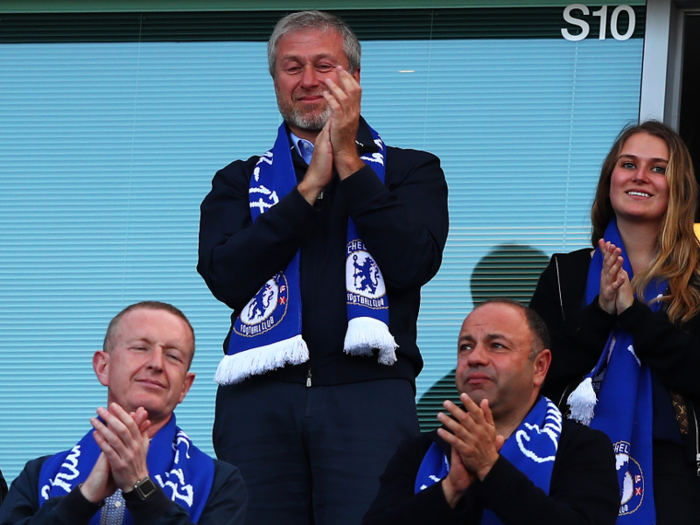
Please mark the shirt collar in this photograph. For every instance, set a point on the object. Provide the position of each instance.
(303, 147)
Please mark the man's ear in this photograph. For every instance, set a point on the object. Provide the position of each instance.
(542, 362)
(356, 74)
(100, 364)
(189, 379)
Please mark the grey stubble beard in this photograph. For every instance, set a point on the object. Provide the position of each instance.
(309, 121)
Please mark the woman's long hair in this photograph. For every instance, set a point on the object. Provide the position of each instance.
(678, 253)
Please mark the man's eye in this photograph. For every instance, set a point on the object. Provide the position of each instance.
(324, 67)
(293, 69)
(174, 357)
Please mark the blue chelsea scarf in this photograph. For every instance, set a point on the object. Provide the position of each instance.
(532, 449)
(616, 397)
(267, 332)
(184, 472)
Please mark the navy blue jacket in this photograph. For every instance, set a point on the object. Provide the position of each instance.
(403, 222)
(583, 488)
(3, 487)
(226, 504)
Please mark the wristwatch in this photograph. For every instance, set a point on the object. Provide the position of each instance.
(145, 488)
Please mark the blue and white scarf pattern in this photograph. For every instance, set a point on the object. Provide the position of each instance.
(267, 332)
(184, 472)
(624, 400)
(532, 449)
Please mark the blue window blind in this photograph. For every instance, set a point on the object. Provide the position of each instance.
(108, 148)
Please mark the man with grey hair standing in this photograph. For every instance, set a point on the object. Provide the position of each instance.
(320, 246)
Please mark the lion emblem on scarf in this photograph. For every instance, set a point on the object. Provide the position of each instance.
(262, 305)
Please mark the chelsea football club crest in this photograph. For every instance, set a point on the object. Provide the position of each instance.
(264, 311)
(631, 479)
(365, 283)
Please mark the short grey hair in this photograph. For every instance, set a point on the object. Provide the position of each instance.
(315, 20)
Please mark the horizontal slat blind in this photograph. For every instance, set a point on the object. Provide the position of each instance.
(107, 149)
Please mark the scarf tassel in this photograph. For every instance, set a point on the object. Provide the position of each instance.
(365, 335)
(235, 368)
(582, 402)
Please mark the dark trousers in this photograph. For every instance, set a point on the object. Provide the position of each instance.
(312, 455)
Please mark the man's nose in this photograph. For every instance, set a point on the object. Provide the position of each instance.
(309, 77)
(478, 356)
(156, 358)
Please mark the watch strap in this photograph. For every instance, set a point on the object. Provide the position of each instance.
(143, 489)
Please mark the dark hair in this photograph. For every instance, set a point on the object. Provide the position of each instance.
(315, 20)
(538, 328)
(108, 344)
(678, 253)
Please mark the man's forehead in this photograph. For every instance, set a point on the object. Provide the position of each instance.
(311, 34)
(147, 323)
(136, 315)
(321, 43)
(494, 320)
(472, 333)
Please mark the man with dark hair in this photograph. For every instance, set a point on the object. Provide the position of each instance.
(538, 328)
(320, 246)
(506, 456)
(135, 466)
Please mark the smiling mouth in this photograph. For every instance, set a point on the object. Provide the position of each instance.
(151, 383)
(309, 95)
(310, 101)
(638, 193)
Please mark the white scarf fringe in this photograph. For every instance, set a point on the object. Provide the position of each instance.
(365, 334)
(582, 402)
(235, 368)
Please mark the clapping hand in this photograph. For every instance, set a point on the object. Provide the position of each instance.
(616, 293)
